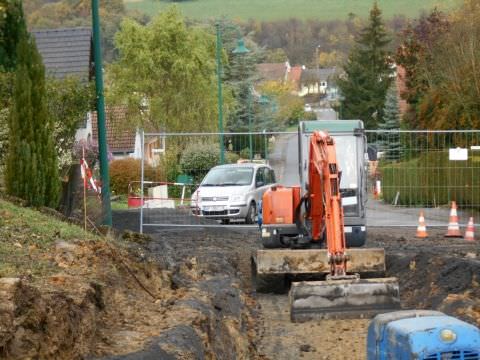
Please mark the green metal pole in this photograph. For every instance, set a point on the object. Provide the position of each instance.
(250, 122)
(102, 132)
(220, 97)
(265, 144)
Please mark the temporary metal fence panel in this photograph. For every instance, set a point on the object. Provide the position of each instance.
(411, 171)
(169, 194)
(425, 170)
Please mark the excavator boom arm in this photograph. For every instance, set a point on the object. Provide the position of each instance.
(326, 212)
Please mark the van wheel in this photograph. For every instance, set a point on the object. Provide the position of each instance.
(251, 214)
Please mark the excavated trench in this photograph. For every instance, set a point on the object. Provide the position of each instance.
(434, 273)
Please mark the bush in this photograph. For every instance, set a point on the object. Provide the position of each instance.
(231, 157)
(198, 158)
(125, 171)
(245, 153)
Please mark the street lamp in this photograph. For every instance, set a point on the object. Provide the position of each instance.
(240, 49)
(100, 104)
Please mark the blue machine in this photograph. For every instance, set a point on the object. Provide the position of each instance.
(422, 335)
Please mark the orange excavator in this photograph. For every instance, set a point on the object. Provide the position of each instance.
(337, 290)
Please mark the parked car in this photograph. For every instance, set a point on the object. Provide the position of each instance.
(232, 191)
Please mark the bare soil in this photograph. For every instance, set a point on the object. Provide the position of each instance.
(434, 273)
(186, 293)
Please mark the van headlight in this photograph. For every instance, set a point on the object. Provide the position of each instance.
(235, 198)
(448, 336)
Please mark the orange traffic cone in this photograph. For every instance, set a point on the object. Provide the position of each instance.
(469, 233)
(422, 228)
(453, 227)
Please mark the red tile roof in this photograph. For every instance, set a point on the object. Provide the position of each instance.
(294, 76)
(120, 134)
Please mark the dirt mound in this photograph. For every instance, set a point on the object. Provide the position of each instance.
(47, 325)
(445, 283)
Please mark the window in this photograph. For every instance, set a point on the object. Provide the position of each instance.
(269, 176)
(260, 177)
(229, 176)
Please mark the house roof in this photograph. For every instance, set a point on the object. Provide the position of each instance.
(272, 71)
(294, 75)
(66, 51)
(310, 76)
(120, 136)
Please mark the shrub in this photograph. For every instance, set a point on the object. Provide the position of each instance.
(125, 171)
(231, 157)
(245, 153)
(198, 158)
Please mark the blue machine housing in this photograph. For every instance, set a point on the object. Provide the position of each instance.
(415, 334)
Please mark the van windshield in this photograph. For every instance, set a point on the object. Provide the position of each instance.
(229, 176)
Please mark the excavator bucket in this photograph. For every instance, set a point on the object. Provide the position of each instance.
(352, 298)
(343, 299)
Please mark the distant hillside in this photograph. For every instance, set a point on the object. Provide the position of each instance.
(283, 9)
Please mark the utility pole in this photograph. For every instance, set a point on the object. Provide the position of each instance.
(317, 62)
(102, 131)
(220, 97)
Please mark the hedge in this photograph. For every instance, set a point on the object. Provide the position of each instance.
(432, 180)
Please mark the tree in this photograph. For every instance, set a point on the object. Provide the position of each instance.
(414, 53)
(390, 141)
(12, 28)
(240, 74)
(289, 108)
(68, 101)
(368, 73)
(440, 55)
(31, 171)
(166, 74)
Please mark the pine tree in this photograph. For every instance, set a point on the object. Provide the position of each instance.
(31, 171)
(389, 142)
(368, 73)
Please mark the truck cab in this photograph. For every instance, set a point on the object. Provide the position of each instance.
(422, 335)
(351, 148)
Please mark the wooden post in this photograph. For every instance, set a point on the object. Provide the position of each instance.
(84, 190)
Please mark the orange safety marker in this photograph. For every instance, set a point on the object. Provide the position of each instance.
(453, 227)
(422, 228)
(470, 232)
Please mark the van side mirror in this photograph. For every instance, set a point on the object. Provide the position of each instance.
(259, 184)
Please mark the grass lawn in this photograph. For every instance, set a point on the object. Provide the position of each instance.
(284, 9)
(120, 204)
(27, 237)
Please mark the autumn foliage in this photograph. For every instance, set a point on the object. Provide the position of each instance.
(126, 171)
(440, 55)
